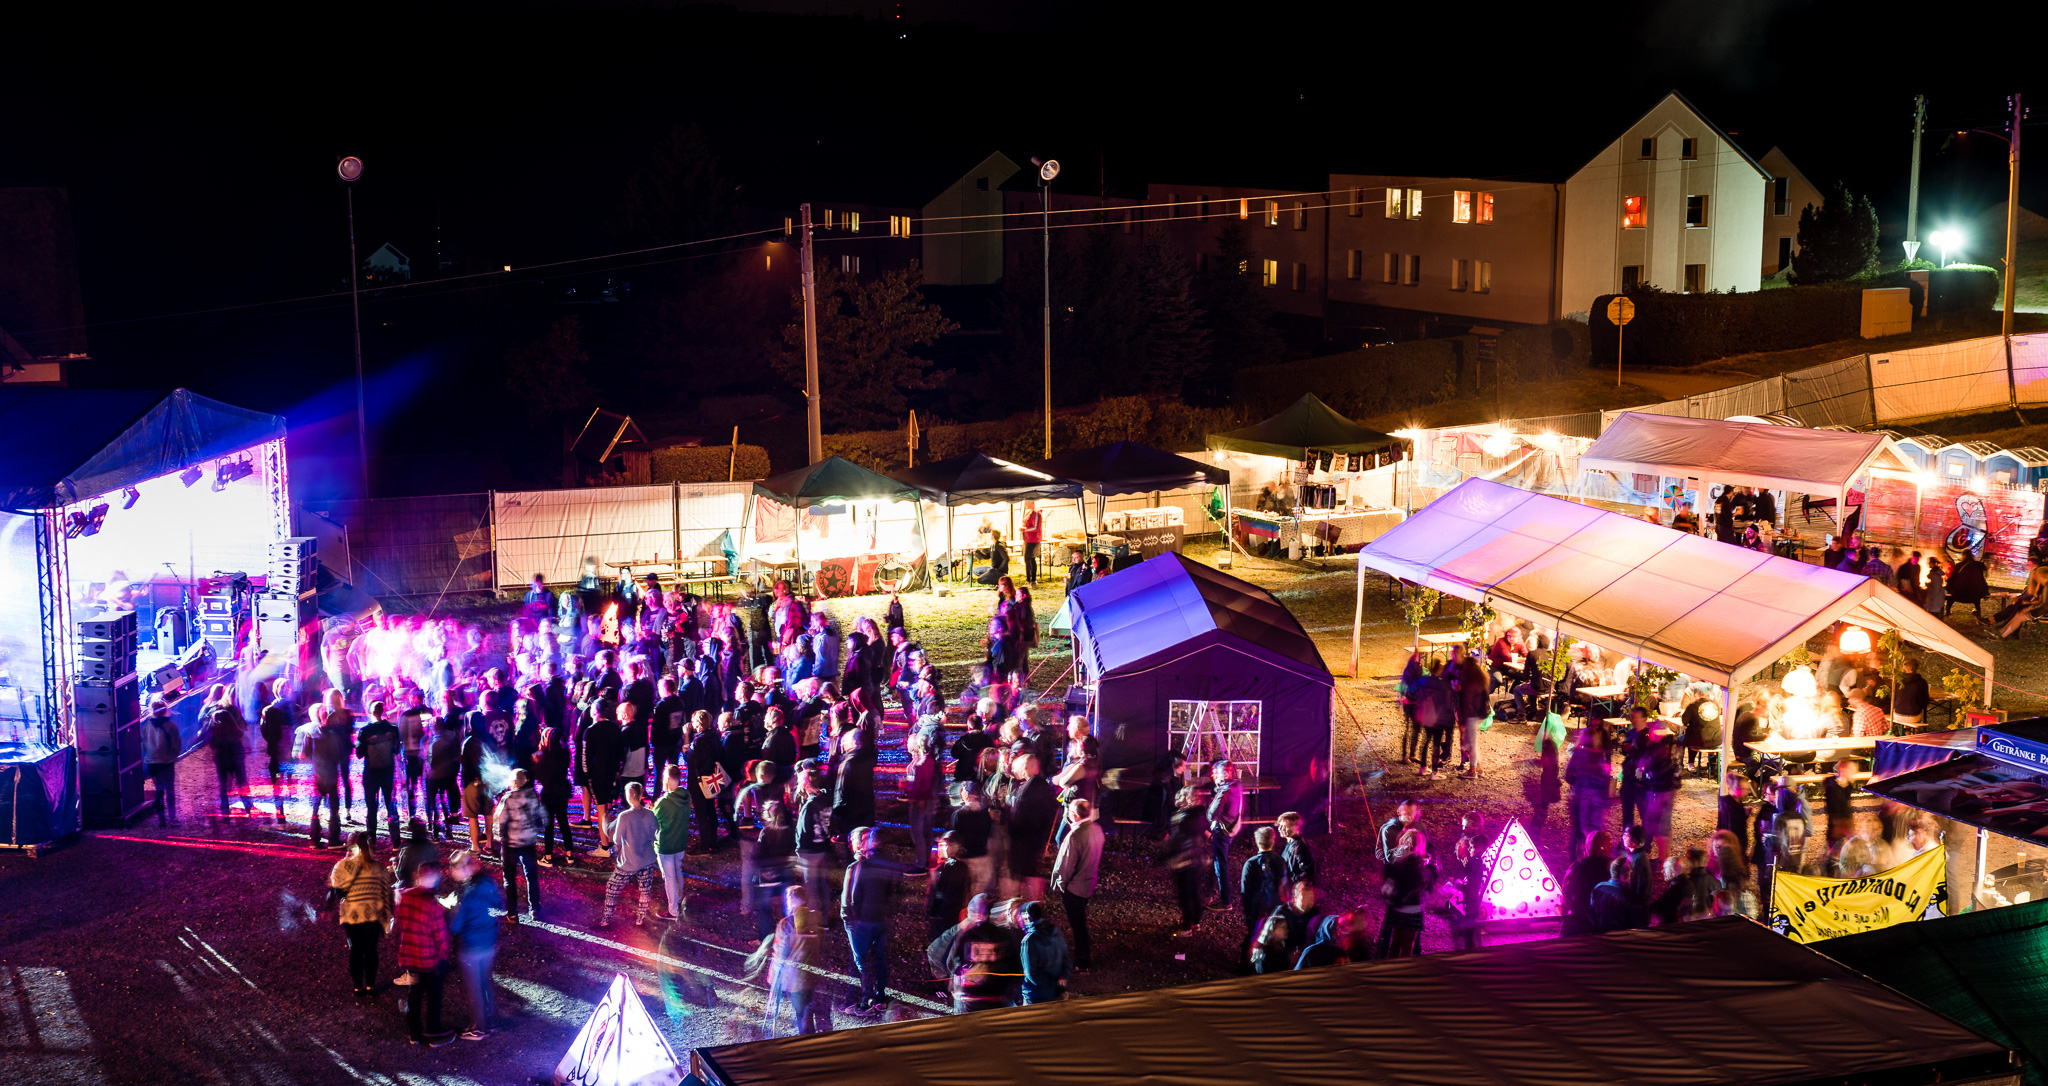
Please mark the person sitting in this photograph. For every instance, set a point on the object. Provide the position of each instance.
(1910, 697)
(998, 560)
(1966, 584)
(2021, 611)
(1685, 520)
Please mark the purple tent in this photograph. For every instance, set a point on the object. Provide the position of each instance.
(1183, 657)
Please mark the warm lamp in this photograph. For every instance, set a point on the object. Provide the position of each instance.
(1499, 443)
(1710, 710)
(1855, 640)
(1799, 682)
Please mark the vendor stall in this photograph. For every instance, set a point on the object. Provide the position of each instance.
(1294, 478)
(838, 529)
(1180, 658)
(1716, 612)
(977, 480)
(1176, 485)
(1991, 777)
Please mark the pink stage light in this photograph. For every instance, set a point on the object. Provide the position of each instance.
(1519, 885)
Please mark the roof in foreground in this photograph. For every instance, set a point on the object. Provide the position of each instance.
(1713, 1001)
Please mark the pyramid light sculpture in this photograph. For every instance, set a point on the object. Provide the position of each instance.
(619, 1045)
(1519, 885)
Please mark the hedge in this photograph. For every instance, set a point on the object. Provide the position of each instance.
(1687, 329)
(1021, 438)
(1363, 383)
(1967, 288)
(707, 464)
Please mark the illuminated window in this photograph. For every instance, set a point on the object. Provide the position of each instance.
(1458, 274)
(1461, 207)
(1390, 267)
(788, 226)
(1688, 148)
(1411, 272)
(1695, 211)
(1269, 273)
(1695, 278)
(849, 264)
(1244, 209)
(1649, 148)
(1414, 203)
(1394, 203)
(1354, 264)
(1482, 207)
(1482, 276)
(1632, 214)
(853, 221)
(1357, 202)
(1300, 277)
(899, 226)
(1300, 215)
(1272, 213)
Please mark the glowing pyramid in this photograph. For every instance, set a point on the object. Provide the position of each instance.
(1519, 885)
(619, 1046)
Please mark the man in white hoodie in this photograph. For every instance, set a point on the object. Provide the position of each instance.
(1073, 874)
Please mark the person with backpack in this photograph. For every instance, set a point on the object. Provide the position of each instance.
(1435, 712)
(379, 744)
(1047, 964)
(228, 735)
(275, 724)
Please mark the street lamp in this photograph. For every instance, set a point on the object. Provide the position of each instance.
(1048, 169)
(1946, 240)
(350, 169)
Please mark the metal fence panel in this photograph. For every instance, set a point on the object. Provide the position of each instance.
(415, 547)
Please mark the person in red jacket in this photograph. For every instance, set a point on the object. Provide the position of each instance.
(1034, 533)
(421, 925)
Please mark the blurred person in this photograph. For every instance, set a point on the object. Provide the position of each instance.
(1269, 947)
(1586, 872)
(986, 961)
(275, 725)
(792, 972)
(971, 828)
(1043, 950)
(378, 744)
(633, 837)
(920, 784)
(1033, 810)
(551, 774)
(420, 925)
(1184, 853)
(1226, 818)
(518, 821)
(951, 886)
(866, 902)
(228, 736)
(1403, 888)
(473, 931)
(359, 890)
(1590, 773)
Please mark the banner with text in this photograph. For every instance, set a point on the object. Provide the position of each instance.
(1806, 909)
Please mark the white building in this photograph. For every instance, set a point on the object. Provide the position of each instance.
(1673, 203)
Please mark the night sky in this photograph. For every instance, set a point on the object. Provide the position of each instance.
(199, 149)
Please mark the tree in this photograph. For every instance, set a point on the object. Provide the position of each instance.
(868, 329)
(1172, 341)
(1239, 332)
(545, 378)
(1838, 240)
(680, 194)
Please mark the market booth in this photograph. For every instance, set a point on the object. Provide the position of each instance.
(1179, 491)
(1993, 778)
(1713, 611)
(1176, 656)
(838, 528)
(979, 485)
(1678, 1004)
(1295, 479)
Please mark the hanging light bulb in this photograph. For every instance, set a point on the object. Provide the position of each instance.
(1710, 710)
(1855, 640)
(1499, 444)
(1799, 682)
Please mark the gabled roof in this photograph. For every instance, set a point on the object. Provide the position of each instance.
(608, 432)
(1809, 461)
(1149, 611)
(1709, 122)
(58, 445)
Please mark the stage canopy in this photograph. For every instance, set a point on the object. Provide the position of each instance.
(1980, 968)
(1740, 453)
(1126, 467)
(978, 477)
(833, 479)
(1679, 1004)
(1308, 425)
(59, 445)
(1711, 610)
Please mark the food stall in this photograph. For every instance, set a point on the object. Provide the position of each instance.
(1295, 480)
(983, 484)
(838, 529)
(1181, 491)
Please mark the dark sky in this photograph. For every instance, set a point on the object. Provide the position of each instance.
(199, 147)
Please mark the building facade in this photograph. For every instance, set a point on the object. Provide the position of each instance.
(1448, 249)
(1788, 195)
(1287, 232)
(963, 229)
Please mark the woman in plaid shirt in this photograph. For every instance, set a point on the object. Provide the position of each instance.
(422, 931)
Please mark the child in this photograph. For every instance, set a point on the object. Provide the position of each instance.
(1470, 852)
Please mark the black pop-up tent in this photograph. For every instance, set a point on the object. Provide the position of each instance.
(1710, 1002)
(976, 478)
(1185, 658)
(1126, 467)
(833, 480)
(1307, 425)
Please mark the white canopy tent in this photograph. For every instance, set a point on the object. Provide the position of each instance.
(1755, 454)
(1710, 610)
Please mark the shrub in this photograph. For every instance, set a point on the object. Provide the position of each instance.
(1962, 288)
(707, 463)
(1687, 329)
(1363, 383)
(1555, 350)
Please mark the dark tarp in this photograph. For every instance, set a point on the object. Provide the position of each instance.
(1906, 753)
(38, 793)
(978, 477)
(1171, 629)
(1309, 424)
(1126, 467)
(833, 479)
(1713, 1001)
(1981, 968)
(58, 445)
(1976, 790)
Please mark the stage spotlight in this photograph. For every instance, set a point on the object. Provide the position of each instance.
(129, 496)
(84, 524)
(190, 476)
(231, 471)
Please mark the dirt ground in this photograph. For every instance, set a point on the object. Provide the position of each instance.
(193, 954)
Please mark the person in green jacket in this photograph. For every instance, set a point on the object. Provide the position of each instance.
(672, 815)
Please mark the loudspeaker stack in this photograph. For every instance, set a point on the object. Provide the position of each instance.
(106, 717)
(287, 602)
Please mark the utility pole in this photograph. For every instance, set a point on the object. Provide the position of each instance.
(1047, 170)
(813, 418)
(1913, 180)
(2012, 219)
(350, 169)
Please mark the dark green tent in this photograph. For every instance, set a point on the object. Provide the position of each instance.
(1982, 969)
(1309, 424)
(833, 479)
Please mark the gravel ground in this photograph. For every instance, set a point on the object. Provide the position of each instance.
(193, 954)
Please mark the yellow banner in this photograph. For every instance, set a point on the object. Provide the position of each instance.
(1807, 909)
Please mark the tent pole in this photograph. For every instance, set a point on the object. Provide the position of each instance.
(1358, 616)
(951, 562)
(1727, 732)
(1987, 684)
(1983, 865)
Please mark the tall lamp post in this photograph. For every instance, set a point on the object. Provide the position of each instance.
(350, 169)
(1047, 170)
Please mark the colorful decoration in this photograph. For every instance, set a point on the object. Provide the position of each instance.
(619, 1046)
(1519, 885)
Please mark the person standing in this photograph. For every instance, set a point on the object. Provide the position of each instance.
(792, 969)
(985, 961)
(1660, 772)
(444, 758)
(379, 744)
(551, 773)
(1184, 850)
(702, 769)
(275, 724)
(670, 723)
(421, 927)
(865, 905)
(1034, 808)
(228, 735)
(672, 838)
(1034, 533)
(1073, 877)
(1635, 746)
(853, 781)
(1295, 856)
(1226, 818)
(1260, 889)
(519, 819)
(633, 836)
(949, 891)
(1474, 696)
(412, 732)
(1590, 775)
(359, 888)
(1047, 964)
(474, 932)
(920, 789)
(600, 755)
(342, 722)
(328, 751)
(1408, 878)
